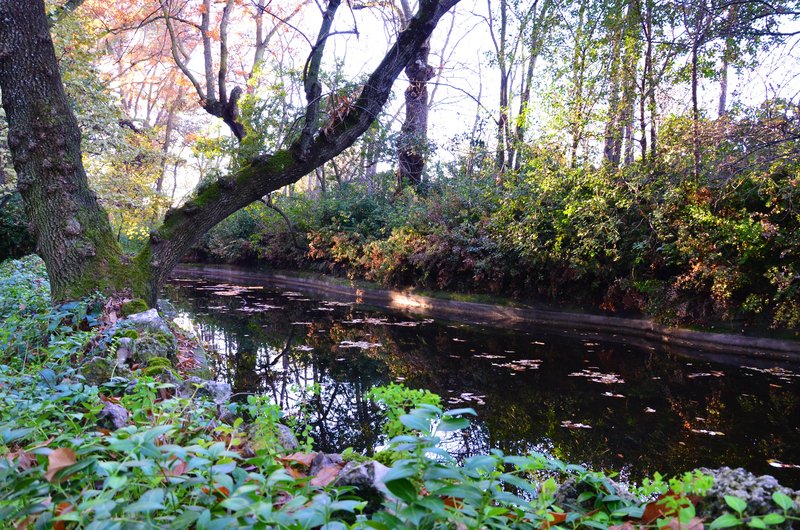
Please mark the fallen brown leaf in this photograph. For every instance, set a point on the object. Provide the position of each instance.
(304, 459)
(327, 475)
(58, 460)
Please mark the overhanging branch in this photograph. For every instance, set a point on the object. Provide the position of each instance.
(184, 226)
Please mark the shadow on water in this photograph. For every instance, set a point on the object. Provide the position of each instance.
(610, 406)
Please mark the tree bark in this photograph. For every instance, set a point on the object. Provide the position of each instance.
(413, 144)
(72, 231)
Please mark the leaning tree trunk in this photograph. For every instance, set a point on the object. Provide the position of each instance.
(72, 232)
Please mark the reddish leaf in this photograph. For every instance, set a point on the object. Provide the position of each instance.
(61, 509)
(327, 475)
(220, 491)
(452, 502)
(109, 399)
(303, 459)
(58, 460)
(554, 519)
(294, 473)
(675, 524)
(23, 459)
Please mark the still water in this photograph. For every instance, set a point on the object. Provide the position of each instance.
(574, 396)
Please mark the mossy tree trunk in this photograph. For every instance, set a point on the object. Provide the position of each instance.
(72, 231)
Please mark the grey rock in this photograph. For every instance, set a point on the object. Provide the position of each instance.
(112, 417)
(97, 370)
(124, 351)
(148, 320)
(217, 392)
(568, 492)
(367, 479)
(166, 309)
(323, 460)
(287, 439)
(755, 490)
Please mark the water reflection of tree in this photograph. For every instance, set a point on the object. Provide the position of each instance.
(521, 411)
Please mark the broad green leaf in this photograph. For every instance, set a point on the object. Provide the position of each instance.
(415, 422)
(402, 488)
(774, 518)
(727, 520)
(783, 500)
(736, 503)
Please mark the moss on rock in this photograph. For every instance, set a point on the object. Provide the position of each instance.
(133, 307)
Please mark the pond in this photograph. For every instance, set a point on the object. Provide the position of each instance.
(575, 396)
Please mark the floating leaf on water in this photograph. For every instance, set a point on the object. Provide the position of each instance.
(599, 377)
(710, 433)
(775, 463)
(572, 425)
(364, 345)
(258, 308)
(230, 292)
(521, 364)
(714, 373)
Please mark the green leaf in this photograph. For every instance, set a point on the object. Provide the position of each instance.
(783, 500)
(398, 472)
(415, 422)
(519, 482)
(403, 489)
(727, 520)
(452, 424)
(774, 518)
(470, 494)
(460, 412)
(149, 502)
(736, 503)
(755, 522)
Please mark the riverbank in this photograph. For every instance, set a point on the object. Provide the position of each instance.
(641, 332)
(137, 452)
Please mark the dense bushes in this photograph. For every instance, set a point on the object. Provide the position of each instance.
(652, 238)
(15, 238)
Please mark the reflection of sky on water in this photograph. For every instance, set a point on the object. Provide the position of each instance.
(573, 397)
